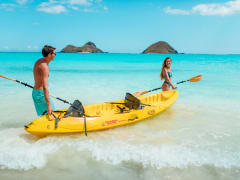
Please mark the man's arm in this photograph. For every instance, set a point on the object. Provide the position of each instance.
(45, 74)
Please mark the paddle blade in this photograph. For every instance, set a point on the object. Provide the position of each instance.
(195, 78)
(139, 93)
(7, 78)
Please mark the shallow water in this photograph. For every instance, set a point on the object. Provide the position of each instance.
(197, 137)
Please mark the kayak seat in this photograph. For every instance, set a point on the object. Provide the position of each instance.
(132, 102)
(75, 110)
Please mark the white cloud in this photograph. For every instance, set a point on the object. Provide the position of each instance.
(169, 10)
(217, 9)
(12, 6)
(60, 6)
(29, 47)
(50, 8)
(79, 2)
(74, 8)
(6, 47)
(7, 6)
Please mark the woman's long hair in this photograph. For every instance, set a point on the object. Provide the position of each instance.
(163, 66)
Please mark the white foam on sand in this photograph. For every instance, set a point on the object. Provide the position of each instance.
(165, 155)
(22, 151)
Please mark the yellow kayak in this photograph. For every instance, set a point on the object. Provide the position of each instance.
(102, 115)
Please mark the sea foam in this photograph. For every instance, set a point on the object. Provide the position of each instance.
(21, 151)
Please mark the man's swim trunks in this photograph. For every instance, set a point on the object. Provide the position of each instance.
(39, 102)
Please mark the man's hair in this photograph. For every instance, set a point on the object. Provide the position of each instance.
(47, 50)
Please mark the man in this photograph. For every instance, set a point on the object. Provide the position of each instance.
(40, 92)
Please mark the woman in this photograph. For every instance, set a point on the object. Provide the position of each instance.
(166, 74)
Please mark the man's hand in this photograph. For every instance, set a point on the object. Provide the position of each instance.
(49, 109)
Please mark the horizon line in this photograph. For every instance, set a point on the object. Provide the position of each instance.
(120, 53)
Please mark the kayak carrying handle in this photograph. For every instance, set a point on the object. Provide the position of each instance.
(57, 119)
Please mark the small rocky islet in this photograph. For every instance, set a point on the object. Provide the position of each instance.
(89, 47)
(160, 47)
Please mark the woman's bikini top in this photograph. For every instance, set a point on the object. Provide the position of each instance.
(169, 74)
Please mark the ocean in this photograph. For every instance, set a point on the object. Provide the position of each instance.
(196, 138)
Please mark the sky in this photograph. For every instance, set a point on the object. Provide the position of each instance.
(121, 26)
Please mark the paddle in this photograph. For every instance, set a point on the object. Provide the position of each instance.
(193, 79)
(25, 84)
(64, 101)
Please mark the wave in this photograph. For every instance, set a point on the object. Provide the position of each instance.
(22, 151)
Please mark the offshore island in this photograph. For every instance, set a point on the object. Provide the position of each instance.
(160, 47)
(89, 47)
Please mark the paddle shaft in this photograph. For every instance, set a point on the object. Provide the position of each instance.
(27, 85)
(161, 87)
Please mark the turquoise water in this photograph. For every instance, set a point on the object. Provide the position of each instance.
(197, 137)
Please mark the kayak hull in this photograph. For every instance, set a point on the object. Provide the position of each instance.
(102, 116)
